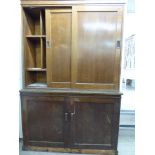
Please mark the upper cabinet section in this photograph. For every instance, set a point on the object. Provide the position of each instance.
(72, 46)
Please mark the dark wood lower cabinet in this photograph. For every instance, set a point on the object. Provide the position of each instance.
(71, 121)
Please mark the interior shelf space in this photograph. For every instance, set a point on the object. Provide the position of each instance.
(33, 52)
(34, 21)
(37, 78)
(36, 53)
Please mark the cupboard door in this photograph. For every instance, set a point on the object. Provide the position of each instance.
(96, 47)
(95, 123)
(58, 46)
(43, 121)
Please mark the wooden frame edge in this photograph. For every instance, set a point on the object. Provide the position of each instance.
(68, 150)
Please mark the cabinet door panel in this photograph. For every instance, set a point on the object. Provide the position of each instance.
(44, 121)
(58, 30)
(95, 56)
(93, 123)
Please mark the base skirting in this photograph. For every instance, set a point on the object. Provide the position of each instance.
(68, 150)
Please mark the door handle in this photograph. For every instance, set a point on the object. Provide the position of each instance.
(118, 44)
(48, 44)
(72, 116)
(66, 116)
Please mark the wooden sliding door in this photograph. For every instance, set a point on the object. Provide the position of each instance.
(96, 35)
(58, 46)
(84, 47)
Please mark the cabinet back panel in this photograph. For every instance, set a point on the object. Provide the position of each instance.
(35, 77)
(38, 55)
(33, 54)
(58, 56)
(96, 47)
(32, 21)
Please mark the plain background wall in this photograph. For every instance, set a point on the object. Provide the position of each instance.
(129, 28)
(10, 76)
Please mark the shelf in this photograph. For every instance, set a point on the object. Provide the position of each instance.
(37, 84)
(36, 69)
(35, 37)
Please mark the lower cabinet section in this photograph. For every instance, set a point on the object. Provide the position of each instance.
(70, 121)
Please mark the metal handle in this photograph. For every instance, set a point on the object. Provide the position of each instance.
(66, 116)
(72, 116)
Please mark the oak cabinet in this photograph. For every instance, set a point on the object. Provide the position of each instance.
(70, 119)
(71, 68)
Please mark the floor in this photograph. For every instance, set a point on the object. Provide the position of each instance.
(126, 144)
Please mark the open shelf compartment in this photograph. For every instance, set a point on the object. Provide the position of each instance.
(34, 21)
(36, 79)
(35, 46)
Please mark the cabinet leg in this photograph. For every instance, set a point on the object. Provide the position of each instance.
(116, 153)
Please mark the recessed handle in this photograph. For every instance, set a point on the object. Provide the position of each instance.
(118, 44)
(48, 44)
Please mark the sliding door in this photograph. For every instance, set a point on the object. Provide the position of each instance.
(58, 47)
(96, 35)
(84, 47)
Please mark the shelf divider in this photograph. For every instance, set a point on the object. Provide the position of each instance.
(36, 69)
(35, 36)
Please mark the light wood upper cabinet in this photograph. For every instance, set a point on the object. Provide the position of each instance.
(73, 46)
(58, 47)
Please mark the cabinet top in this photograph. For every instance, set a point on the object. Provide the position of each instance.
(72, 91)
(69, 2)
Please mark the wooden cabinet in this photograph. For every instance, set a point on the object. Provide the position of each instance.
(71, 69)
(70, 119)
